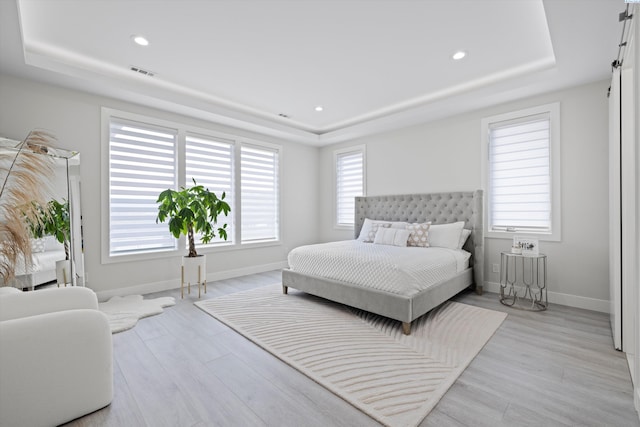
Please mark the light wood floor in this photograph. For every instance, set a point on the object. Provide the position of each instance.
(184, 368)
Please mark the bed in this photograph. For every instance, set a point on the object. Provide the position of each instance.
(438, 208)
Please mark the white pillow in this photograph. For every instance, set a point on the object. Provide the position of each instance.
(364, 231)
(366, 228)
(375, 226)
(391, 236)
(463, 237)
(418, 235)
(445, 235)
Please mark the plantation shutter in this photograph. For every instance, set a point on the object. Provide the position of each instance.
(349, 184)
(142, 163)
(209, 161)
(259, 194)
(520, 175)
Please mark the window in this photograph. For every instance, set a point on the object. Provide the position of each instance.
(209, 161)
(142, 161)
(259, 181)
(522, 177)
(349, 179)
(146, 156)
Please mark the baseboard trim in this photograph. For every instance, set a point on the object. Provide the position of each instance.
(576, 301)
(165, 285)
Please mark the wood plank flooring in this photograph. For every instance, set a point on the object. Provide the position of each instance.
(184, 368)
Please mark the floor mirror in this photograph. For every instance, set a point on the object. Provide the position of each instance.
(55, 263)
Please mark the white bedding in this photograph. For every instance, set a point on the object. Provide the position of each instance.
(400, 270)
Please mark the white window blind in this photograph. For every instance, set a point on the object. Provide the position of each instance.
(259, 194)
(349, 184)
(142, 163)
(520, 188)
(209, 161)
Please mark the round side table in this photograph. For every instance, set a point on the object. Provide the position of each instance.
(523, 281)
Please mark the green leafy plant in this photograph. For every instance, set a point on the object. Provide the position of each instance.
(54, 221)
(193, 210)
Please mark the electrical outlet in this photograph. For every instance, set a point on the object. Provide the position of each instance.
(496, 268)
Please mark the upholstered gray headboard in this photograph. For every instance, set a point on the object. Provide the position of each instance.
(439, 208)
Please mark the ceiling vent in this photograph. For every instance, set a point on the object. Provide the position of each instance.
(143, 71)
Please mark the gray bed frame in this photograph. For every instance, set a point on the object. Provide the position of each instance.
(439, 208)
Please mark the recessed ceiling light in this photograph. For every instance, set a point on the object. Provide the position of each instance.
(459, 55)
(319, 108)
(140, 40)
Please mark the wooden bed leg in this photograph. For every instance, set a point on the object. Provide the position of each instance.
(406, 328)
(285, 289)
(478, 290)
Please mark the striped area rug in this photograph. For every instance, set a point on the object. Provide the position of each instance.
(361, 357)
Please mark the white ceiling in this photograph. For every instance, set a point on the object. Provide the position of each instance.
(372, 65)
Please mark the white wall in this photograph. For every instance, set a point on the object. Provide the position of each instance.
(74, 117)
(445, 156)
(437, 156)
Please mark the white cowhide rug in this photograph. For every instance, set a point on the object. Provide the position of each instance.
(123, 312)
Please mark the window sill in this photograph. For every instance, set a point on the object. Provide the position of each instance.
(543, 237)
(343, 227)
(153, 255)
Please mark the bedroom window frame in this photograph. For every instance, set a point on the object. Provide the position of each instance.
(552, 113)
(128, 202)
(276, 150)
(337, 154)
(206, 177)
(183, 131)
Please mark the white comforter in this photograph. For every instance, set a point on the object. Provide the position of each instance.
(399, 270)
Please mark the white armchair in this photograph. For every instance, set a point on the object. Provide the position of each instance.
(56, 356)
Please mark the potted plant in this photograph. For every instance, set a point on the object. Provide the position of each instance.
(193, 210)
(54, 220)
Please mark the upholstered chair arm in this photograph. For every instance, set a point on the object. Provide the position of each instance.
(23, 304)
(54, 367)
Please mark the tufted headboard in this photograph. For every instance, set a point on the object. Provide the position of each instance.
(439, 208)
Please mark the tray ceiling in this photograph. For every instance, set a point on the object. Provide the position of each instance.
(267, 65)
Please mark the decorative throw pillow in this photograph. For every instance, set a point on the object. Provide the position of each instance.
(391, 236)
(364, 231)
(418, 235)
(366, 227)
(445, 235)
(37, 245)
(374, 229)
(399, 224)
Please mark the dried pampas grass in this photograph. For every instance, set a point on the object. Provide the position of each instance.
(26, 172)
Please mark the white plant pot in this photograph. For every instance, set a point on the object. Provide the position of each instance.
(63, 272)
(194, 271)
